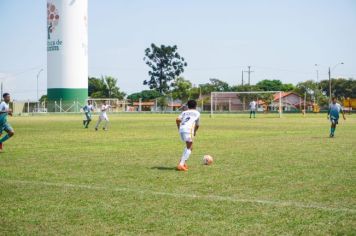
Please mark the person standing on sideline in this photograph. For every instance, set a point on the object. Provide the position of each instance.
(253, 105)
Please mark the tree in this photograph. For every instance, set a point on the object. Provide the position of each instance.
(274, 85)
(195, 93)
(312, 90)
(112, 90)
(105, 87)
(162, 102)
(166, 64)
(341, 88)
(181, 89)
(287, 87)
(43, 98)
(250, 97)
(215, 85)
(145, 95)
(245, 88)
(96, 88)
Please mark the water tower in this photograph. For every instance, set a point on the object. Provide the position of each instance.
(67, 52)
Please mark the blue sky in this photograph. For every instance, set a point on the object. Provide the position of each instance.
(280, 39)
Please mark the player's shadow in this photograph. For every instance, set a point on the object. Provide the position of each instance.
(163, 168)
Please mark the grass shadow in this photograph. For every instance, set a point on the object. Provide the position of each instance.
(320, 137)
(163, 168)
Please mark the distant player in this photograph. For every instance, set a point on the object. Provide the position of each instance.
(188, 124)
(253, 109)
(333, 114)
(87, 111)
(103, 116)
(4, 125)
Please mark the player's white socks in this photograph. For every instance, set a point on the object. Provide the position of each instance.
(185, 156)
(97, 124)
(106, 124)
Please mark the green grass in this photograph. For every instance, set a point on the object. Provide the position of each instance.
(270, 176)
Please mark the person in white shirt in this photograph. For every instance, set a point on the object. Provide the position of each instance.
(87, 111)
(103, 116)
(188, 124)
(253, 109)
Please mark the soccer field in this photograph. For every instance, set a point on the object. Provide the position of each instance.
(269, 176)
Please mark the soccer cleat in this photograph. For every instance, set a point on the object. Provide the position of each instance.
(96, 129)
(0, 147)
(181, 168)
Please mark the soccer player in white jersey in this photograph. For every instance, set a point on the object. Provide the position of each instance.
(188, 124)
(253, 108)
(103, 116)
(333, 114)
(4, 125)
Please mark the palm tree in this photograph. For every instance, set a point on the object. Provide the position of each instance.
(110, 83)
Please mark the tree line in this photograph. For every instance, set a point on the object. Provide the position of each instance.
(164, 81)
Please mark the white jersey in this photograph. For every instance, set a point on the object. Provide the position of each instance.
(4, 107)
(253, 105)
(104, 109)
(189, 119)
(334, 110)
(88, 108)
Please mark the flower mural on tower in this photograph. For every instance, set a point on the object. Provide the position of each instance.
(52, 18)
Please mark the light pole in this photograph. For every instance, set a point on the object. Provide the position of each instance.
(317, 72)
(317, 81)
(38, 102)
(340, 63)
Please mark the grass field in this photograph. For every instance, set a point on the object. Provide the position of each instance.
(270, 176)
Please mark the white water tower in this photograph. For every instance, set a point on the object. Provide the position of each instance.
(67, 50)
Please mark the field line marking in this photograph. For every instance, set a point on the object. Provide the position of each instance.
(184, 195)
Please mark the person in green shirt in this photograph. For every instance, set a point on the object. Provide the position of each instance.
(4, 125)
(333, 114)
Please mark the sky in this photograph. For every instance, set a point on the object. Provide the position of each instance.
(279, 39)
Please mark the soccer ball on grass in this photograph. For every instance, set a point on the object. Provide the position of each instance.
(207, 160)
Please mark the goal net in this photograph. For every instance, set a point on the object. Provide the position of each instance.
(239, 102)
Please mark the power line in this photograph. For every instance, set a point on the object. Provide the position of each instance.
(21, 72)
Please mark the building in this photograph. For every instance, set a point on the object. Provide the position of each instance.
(290, 102)
(233, 102)
(154, 106)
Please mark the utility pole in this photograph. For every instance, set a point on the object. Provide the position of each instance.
(329, 86)
(249, 71)
(38, 101)
(242, 77)
(317, 84)
(341, 63)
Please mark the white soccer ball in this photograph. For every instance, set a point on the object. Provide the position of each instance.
(207, 160)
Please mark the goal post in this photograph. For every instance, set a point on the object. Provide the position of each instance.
(235, 102)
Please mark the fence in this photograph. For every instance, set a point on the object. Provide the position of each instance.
(24, 107)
